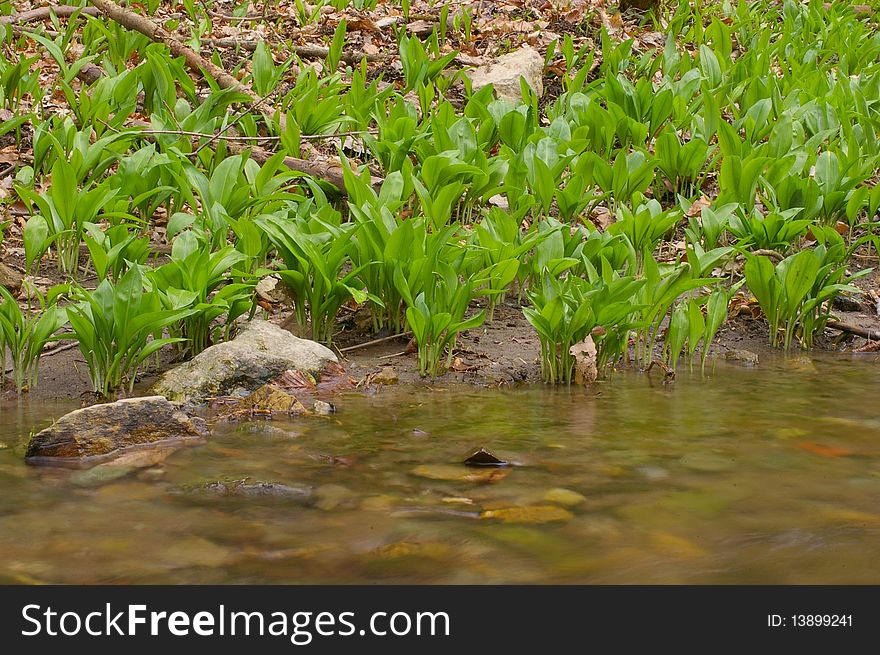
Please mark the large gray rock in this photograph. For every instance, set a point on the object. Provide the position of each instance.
(260, 353)
(504, 74)
(95, 433)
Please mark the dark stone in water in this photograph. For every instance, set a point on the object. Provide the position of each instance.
(94, 434)
(482, 457)
(244, 489)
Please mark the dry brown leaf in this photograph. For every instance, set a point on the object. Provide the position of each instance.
(361, 25)
(584, 353)
(697, 208)
(420, 27)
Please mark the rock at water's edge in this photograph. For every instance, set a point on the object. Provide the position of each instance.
(260, 353)
(99, 431)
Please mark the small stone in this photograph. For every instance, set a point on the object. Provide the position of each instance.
(801, 363)
(378, 503)
(653, 472)
(847, 303)
(742, 356)
(323, 408)
(271, 399)
(11, 279)
(504, 74)
(482, 457)
(528, 514)
(242, 488)
(564, 497)
(265, 429)
(386, 375)
(500, 201)
(331, 496)
(457, 500)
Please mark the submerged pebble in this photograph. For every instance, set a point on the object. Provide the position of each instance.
(742, 356)
(565, 497)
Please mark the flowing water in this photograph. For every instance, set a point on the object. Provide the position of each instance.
(764, 475)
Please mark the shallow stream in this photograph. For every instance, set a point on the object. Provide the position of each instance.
(754, 475)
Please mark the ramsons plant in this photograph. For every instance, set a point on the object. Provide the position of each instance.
(118, 327)
(26, 331)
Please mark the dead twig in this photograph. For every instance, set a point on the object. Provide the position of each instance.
(772, 254)
(242, 19)
(42, 13)
(235, 119)
(400, 354)
(54, 351)
(303, 51)
(865, 333)
(374, 342)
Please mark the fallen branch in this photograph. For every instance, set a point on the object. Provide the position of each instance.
(374, 342)
(772, 254)
(242, 19)
(147, 27)
(870, 335)
(330, 171)
(42, 13)
(320, 52)
(304, 51)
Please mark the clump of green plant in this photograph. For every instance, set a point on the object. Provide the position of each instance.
(436, 316)
(565, 312)
(63, 212)
(694, 323)
(198, 279)
(381, 240)
(664, 285)
(795, 294)
(314, 248)
(118, 327)
(114, 250)
(775, 231)
(26, 331)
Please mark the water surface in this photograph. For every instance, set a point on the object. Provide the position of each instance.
(765, 475)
